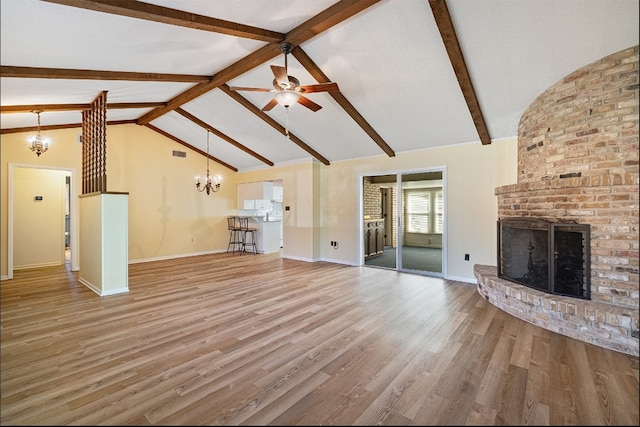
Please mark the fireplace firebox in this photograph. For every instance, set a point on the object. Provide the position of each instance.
(550, 256)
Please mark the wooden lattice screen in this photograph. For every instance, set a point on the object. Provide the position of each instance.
(94, 146)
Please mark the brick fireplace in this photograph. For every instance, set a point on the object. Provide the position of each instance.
(578, 163)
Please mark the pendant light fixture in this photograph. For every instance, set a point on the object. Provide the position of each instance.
(208, 186)
(37, 143)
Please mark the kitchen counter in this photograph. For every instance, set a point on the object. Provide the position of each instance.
(268, 234)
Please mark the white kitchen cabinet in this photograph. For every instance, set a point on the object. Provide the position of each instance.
(262, 190)
(263, 204)
(267, 235)
(277, 193)
(258, 204)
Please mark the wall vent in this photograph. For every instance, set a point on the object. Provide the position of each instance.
(177, 153)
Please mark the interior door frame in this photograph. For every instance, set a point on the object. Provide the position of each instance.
(73, 220)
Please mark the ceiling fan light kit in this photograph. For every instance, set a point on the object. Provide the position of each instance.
(287, 89)
(287, 98)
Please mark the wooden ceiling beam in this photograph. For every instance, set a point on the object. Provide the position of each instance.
(333, 15)
(73, 74)
(263, 116)
(245, 64)
(450, 39)
(221, 135)
(165, 15)
(62, 126)
(191, 147)
(76, 107)
(321, 77)
(338, 12)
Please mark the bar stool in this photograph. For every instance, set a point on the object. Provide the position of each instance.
(236, 241)
(248, 229)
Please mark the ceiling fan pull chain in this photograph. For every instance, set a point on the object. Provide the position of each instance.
(286, 123)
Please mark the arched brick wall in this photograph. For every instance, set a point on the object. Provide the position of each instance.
(578, 161)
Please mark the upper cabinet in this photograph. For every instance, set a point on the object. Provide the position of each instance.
(262, 190)
(277, 193)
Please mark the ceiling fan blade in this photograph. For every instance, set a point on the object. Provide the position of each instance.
(280, 74)
(321, 87)
(270, 105)
(309, 103)
(254, 89)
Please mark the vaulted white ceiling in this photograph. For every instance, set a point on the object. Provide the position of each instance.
(389, 61)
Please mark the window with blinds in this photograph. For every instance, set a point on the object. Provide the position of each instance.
(424, 211)
(439, 212)
(418, 211)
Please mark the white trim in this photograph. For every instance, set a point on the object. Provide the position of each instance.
(339, 261)
(300, 258)
(97, 291)
(462, 279)
(166, 257)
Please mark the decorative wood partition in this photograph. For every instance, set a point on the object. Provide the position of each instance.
(94, 146)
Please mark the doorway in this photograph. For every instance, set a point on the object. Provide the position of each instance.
(41, 226)
(409, 209)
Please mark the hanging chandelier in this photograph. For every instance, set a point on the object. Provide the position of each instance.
(37, 143)
(208, 186)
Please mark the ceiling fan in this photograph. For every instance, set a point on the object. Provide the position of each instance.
(287, 88)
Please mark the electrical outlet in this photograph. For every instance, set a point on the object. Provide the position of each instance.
(466, 257)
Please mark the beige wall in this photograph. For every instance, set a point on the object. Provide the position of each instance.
(473, 171)
(300, 223)
(64, 154)
(168, 218)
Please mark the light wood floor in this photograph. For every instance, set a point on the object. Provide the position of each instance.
(255, 339)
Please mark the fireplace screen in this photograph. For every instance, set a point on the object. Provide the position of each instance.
(549, 256)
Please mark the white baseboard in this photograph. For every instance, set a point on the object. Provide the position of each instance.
(166, 257)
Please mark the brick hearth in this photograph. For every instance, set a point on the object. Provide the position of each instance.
(578, 162)
(602, 324)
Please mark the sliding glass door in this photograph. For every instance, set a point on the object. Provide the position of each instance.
(422, 222)
(404, 219)
(379, 220)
